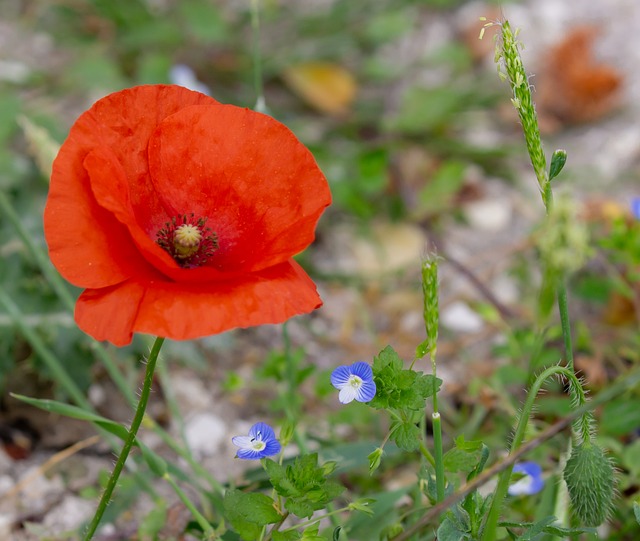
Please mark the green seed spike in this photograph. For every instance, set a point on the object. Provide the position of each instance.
(508, 50)
(431, 312)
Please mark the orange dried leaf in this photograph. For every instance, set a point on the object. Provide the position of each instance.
(573, 86)
(327, 87)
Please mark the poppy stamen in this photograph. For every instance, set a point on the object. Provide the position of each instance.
(188, 240)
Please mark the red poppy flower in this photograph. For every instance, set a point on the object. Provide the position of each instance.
(180, 216)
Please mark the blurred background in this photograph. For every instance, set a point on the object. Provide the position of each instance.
(400, 103)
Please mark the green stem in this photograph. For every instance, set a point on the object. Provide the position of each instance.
(427, 455)
(131, 438)
(437, 432)
(500, 493)
(437, 452)
(62, 291)
(565, 323)
(200, 519)
(257, 58)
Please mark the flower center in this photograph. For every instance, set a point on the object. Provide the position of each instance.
(188, 240)
(258, 445)
(355, 382)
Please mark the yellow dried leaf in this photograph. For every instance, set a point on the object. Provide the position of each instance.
(327, 87)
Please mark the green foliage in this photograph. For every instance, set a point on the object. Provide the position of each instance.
(403, 393)
(533, 530)
(248, 513)
(464, 456)
(399, 388)
(304, 484)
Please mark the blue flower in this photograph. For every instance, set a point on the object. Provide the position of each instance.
(354, 382)
(260, 442)
(530, 483)
(635, 207)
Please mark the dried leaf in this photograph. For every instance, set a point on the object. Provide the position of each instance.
(327, 87)
(573, 87)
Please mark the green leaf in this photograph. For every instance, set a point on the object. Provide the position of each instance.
(292, 535)
(363, 505)
(545, 525)
(155, 462)
(558, 160)
(398, 388)
(636, 511)
(375, 458)
(75, 412)
(464, 456)
(249, 513)
(449, 531)
(304, 484)
(620, 418)
(406, 435)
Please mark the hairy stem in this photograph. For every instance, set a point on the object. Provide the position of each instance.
(131, 438)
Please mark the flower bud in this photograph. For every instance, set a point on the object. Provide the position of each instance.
(589, 475)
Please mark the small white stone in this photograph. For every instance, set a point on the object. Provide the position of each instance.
(488, 215)
(205, 433)
(71, 513)
(459, 317)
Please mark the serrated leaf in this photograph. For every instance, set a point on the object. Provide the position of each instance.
(456, 460)
(406, 435)
(468, 445)
(303, 484)
(448, 531)
(249, 513)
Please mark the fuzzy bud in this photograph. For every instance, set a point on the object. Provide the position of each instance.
(590, 479)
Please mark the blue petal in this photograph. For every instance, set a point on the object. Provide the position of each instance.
(340, 376)
(272, 447)
(528, 468)
(362, 370)
(262, 432)
(531, 483)
(249, 454)
(366, 392)
(635, 207)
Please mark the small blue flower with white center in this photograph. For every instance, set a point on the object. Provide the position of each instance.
(635, 207)
(354, 382)
(530, 483)
(260, 442)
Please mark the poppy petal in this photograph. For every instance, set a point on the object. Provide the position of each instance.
(110, 313)
(259, 187)
(185, 311)
(86, 243)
